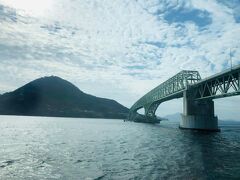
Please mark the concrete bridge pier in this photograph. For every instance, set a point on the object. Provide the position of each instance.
(198, 114)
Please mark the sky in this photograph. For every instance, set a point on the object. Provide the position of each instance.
(119, 49)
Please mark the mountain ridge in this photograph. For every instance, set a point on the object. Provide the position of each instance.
(54, 96)
(177, 117)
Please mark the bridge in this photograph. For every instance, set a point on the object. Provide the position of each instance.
(197, 93)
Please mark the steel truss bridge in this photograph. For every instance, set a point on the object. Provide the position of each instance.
(197, 93)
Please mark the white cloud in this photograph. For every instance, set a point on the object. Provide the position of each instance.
(125, 48)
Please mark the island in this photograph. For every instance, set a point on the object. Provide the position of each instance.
(54, 96)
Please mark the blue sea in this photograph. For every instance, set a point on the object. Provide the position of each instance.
(77, 148)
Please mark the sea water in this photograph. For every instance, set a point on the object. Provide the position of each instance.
(79, 148)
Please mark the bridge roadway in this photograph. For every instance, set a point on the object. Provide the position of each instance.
(197, 93)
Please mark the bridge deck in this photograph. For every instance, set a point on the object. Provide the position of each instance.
(169, 89)
(226, 83)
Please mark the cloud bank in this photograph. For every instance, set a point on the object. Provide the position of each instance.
(119, 49)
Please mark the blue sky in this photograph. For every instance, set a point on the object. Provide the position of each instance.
(119, 49)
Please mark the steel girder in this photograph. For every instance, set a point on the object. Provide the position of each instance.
(226, 83)
(169, 89)
(150, 109)
(220, 85)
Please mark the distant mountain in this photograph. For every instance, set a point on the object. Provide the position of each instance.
(173, 117)
(177, 117)
(53, 96)
(228, 122)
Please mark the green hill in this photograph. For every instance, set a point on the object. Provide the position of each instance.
(53, 96)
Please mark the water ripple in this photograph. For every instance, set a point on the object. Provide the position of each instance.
(65, 148)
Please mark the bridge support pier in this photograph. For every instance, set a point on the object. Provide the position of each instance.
(199, 114)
